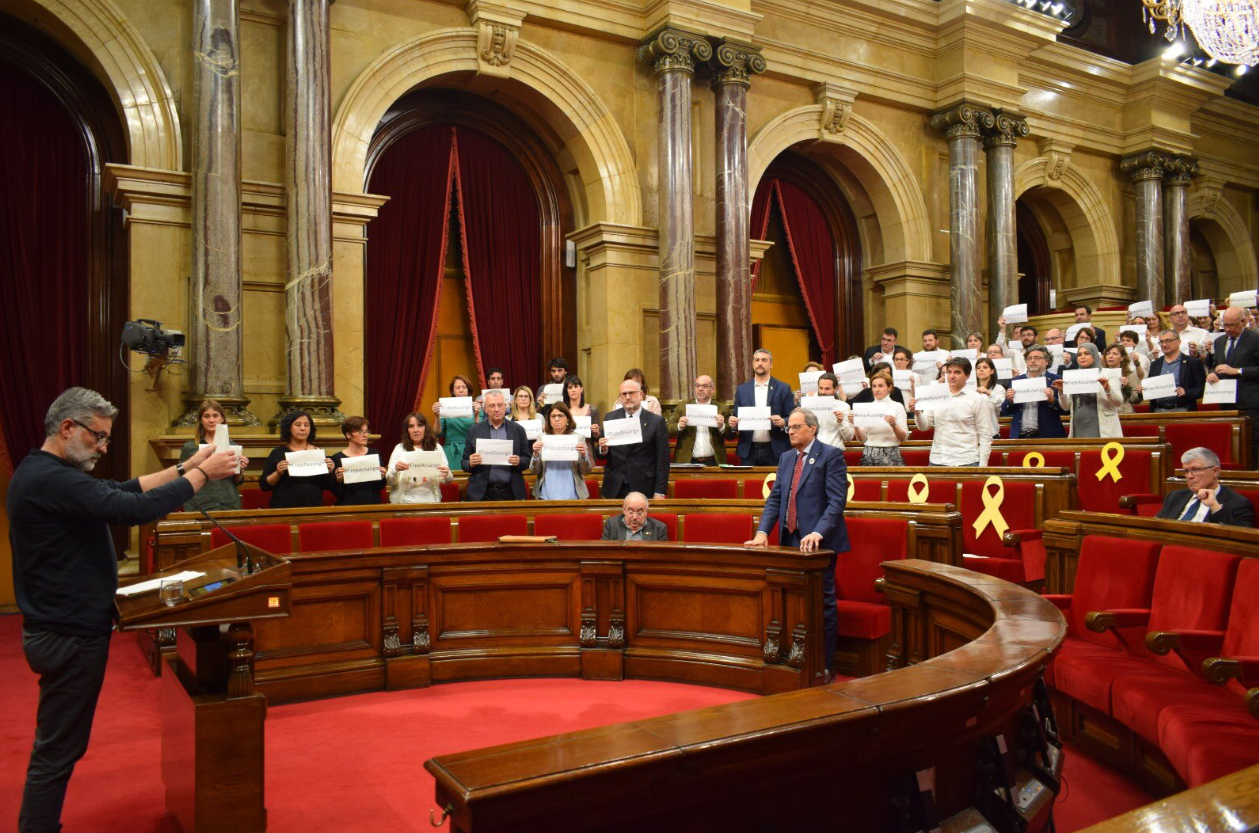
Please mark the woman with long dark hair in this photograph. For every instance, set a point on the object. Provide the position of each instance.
(297, 433)
(408, 484)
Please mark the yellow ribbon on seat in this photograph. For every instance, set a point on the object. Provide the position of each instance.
(992, 509)
(852, 487)
(1034, 460)
(921, 495)
(768, 486)
(1112, 456)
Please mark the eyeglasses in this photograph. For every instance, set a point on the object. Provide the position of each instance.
(1189, 471)
(699, 385)
(797, 427)
(102, 439)
(1168, 340)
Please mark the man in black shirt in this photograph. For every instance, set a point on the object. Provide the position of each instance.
(65, 573)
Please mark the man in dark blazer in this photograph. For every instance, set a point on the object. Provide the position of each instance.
(710, 450)
(1084, 315)
(757, 448)
(1048, 420)
(881, 352)
(807, 503)
(1191, 376)
(497, 482)
(1205, 500)
(1235, 355)
(640, 467)
(633, 524)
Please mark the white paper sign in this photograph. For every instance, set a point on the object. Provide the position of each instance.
(559, 448)
(360, 469)
(222, 437)
(1198, 309)
(970, 354)
(1015, 347)
(583, 426)
(823, 406)
(453, 407)
(1073, 330)
(808, 381)
(869, 414)
(850, 371)
(1016, 314)
(932, 397)
(1245, 298)
(623, 431)
(753, 418)
(308, 463)
(1005, 368)
(494, 452)
(1139, 329)
(903, 379)
(1115, 375)
(424, 464)
(238, 450)
(533, 427)
(1081, 381)
(705, 416)
(853, 388)
(553, 392)
(926, 360)
(1028, 390)
(1141, 308)
(1159, 387)
(1223, 392)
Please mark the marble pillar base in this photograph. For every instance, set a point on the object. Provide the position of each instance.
(236, 409)
(322, 409)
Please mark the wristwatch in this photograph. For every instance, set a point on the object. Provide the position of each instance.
(179, 468)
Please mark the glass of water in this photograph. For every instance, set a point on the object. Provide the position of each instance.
(170, 591)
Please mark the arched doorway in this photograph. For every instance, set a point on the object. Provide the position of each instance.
(1034, 264)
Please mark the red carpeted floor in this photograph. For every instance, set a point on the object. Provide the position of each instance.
(356, 763)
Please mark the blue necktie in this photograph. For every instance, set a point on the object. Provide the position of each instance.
(1228, 357)
(1191, 509)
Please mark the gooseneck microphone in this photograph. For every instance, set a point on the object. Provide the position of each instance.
(243, 560)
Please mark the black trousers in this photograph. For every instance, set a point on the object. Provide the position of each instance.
(499, 491)
(830, 610)
(71, 670)
(761, 454)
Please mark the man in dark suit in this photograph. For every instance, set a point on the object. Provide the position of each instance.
(1205, 500)
(763, 448)
(1191, 376)
(700, 444)
(1035, 419)
(808, 502)
(881, 352)
(497, 482)
(1084, 315)
(633, 524)
(1235, 355)
(640, 467)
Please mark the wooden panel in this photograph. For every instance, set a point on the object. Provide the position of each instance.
(663, 608)
(511, 605)
(331, 619)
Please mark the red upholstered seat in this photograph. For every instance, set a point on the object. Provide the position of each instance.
(1004, 432)
(852, 457)
(580, 526)
(1242, 636)
(1103, 495)
(717, 528)
(335, 535)
(274, 538)
(671, 524)
(754, 488)
(939, 490)
(1053, 459)
(705, 487)
(866, 489)
(918, 457)
(1006, 569)
(863, 620)
(255, 499)
(1253, 497)
(451, 493)
(922, 434)
(1136, 430)
(329, 499)
(592, 488)
(1217, 436)
(1143, 408)
(732, 458)
(1205, 742)
(873, 541)
(402, 532)
(475, 528)
(1018, 507)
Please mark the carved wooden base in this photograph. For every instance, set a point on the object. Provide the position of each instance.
(237, 408)
(322, 409)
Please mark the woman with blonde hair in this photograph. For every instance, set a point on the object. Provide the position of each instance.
(217, 495)
(1116, 357)
(522, 405)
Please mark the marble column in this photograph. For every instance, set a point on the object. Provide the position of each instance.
(733, 65)
(1003, 253)
(672, 54)
(1180, 173)
(963, 126)
(215, 291)
(1146, 170)
(308, 191)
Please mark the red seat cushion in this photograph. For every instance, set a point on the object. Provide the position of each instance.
(274, 538)
(920, 457)
(922, 433)
(1253, 497)
(1018, 507)
(852, 457)
(1217, 436)
(1103, 495)
(1242, 636)
(477, 528)
(867, 489)
(592, 488)
(705, 487)
(717, 528)
(873, 541)
(1135, 430)
(1192, 591)
(1053, 459)
(255, 499)
(329, 498)
(939, 490)
(1138, 700)
(335, 535)
(754, 488)
(1205, 741)
(1089, 676)
(401, 532)
(580, 526)
(1004, 432)
(864, 620)
(1112, 573)
(451, 493)
(732, 458)
(1006, 569)
(671, 524)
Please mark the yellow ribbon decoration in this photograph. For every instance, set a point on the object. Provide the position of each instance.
(1112, 456)
(992, 509)
(852, 487)
(768, 486)
(919, 496)
(1034, 460)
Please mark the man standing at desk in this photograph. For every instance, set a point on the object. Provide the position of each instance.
(808, 501)
(65, 573)
(641, 466)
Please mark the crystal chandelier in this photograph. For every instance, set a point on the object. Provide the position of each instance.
(1227, 30)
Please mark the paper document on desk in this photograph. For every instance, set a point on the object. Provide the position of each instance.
(155, 583)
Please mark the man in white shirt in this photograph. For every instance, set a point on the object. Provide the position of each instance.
(1193, 339)
(964, 427)
(833, 427)
(700, 444)
(927, 364)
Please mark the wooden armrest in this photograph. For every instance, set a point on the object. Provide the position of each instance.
(1014, 537)
(1100, 621)
(1133, 501)
(1219, 670)
(1062, 601)
(1164, 642)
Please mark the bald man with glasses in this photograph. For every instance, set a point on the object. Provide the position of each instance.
(1191, 376)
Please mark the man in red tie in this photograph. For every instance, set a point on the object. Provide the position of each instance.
(808, 501)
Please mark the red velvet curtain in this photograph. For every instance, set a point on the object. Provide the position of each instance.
(406, 257)
(43, 257)
(759, 225)
(502, 245)
(812, 252)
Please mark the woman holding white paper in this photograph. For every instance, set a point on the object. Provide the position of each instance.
(522, 405)
(1116, 358)
(414, 483)
(297, 433)
(453, 431)
(560, 479)
(575, 399)
(367, 492)
(986, 384)
(1093, 414)
(882, 441)
(217, 495)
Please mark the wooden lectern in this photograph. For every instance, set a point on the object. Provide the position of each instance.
(212, 719)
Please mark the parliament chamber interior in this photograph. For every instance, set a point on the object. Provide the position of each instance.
(622, 415)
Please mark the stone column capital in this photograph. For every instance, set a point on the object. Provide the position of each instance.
(1181, 171)
(1146, 165)
(1006, 130)
(735, 63)
(674, 50)
(965, 121)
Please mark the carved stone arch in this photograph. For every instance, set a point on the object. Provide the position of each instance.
(572, 113)
(1079, 203)
(101, 37)
(1225, 232)
(874, 162)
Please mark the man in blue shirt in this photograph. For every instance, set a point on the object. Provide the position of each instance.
(1191, 376)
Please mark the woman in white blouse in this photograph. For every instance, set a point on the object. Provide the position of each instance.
(986, 384)
(409, 484)
(882, 441)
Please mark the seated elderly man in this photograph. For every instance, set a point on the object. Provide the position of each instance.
(633, 524)
(1205, 500)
